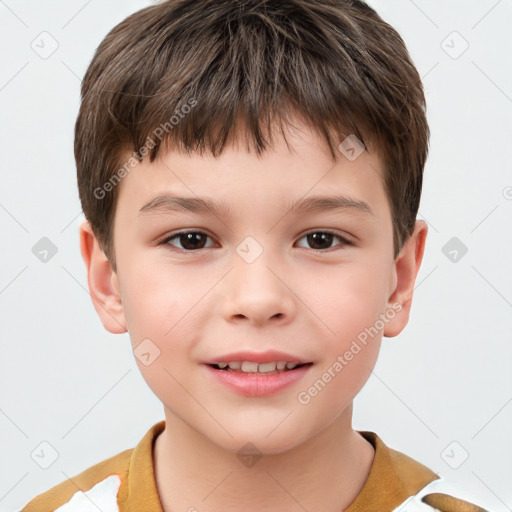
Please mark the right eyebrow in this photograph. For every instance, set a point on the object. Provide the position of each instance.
(169, 203)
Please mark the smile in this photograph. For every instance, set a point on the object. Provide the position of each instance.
(257, 380)
(271, 368)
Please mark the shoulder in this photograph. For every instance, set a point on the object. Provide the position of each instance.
(440, 496)
(401, 474)
(95, 487)
(399, 483)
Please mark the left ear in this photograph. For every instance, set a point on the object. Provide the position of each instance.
(406, 267)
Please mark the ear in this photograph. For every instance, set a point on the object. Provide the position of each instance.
(406, 267)
(102, 281)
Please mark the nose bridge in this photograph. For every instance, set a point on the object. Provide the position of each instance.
(254, 288)
(256, 275)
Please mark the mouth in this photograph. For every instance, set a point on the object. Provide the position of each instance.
(263, 379)
(248, 367)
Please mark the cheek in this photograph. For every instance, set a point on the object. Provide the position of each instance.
(158, 300)
(350, 298)
(159, 309)
(351, 309)
(164, 309)
(351, 312)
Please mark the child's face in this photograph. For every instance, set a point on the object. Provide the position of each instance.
(255, 283)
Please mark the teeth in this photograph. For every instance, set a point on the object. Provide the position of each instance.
(250, 367)
(264, 368)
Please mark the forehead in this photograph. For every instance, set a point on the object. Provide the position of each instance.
(297, 175)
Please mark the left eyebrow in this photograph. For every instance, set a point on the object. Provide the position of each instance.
(315, 204)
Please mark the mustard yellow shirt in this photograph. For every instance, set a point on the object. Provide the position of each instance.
(126, 483)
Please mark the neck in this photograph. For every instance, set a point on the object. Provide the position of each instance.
(324, 473)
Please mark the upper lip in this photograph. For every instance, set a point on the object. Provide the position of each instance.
(268, 356)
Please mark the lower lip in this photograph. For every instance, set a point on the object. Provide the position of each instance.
(258, 385)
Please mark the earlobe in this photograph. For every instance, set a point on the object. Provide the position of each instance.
(102, 281)
(407, 265)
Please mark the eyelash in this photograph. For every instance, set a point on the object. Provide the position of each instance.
(166, 240)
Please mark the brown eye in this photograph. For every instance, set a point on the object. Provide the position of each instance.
(188, 240)
(322, 240)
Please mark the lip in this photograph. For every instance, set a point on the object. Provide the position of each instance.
(269, 356)
(257, 385)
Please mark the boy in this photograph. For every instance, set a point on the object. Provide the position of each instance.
(264, 130)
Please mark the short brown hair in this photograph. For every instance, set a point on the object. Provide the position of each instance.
(334, 63)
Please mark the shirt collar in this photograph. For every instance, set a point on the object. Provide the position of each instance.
(393, 477)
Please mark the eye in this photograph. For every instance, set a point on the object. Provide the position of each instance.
(321, 240)
(189, 240)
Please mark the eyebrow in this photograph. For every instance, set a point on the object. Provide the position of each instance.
(314, 204)
(164, 203)
(169, 203)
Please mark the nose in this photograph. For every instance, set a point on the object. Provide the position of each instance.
(257, 293)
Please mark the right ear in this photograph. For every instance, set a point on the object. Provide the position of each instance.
(102, 280)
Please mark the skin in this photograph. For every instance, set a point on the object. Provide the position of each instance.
(210, 301)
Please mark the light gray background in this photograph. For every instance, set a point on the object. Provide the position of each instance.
(446, 378)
